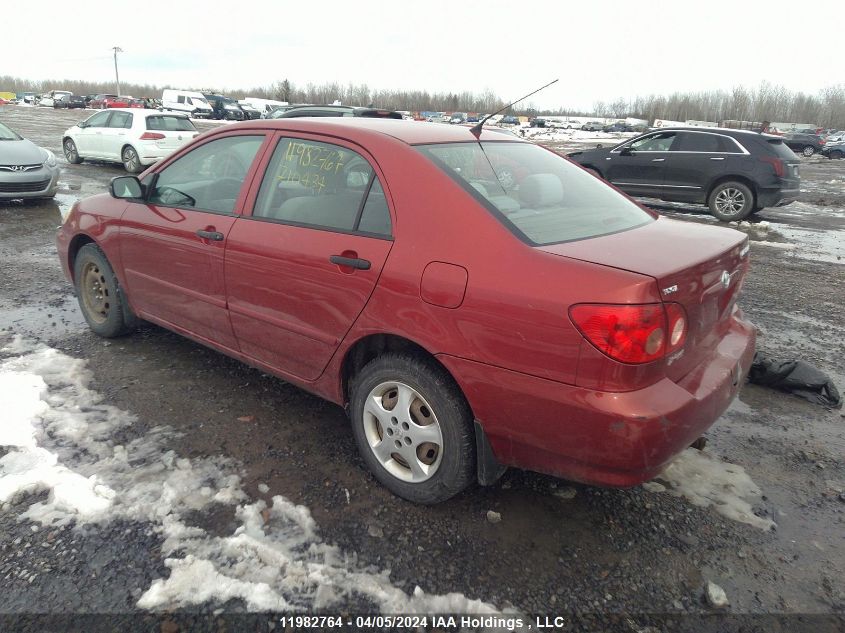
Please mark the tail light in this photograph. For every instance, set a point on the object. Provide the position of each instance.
(151, 136)
(632, 334)
(822, 141)
(777, 163)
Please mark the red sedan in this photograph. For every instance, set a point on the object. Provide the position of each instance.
(551, 324)
(100, 102)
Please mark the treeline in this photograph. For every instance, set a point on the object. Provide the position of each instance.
(764, 103)
(767, 102)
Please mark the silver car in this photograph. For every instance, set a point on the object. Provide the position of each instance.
(26, 170)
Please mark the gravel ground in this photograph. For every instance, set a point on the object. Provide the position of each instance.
(559, 547)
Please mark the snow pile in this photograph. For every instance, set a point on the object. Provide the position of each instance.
(705, 480)
(63, 440)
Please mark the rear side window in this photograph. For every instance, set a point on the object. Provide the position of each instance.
(323, 186)
(120, 120)
(164, 123)
(540, 196)
(698, 142)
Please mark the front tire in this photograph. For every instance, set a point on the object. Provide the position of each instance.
(98, 292)
(808, 151)
(731, 201)
(130, 160)
(413, 428)
(71, 153)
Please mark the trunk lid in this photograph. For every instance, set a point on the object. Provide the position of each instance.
(701, 267)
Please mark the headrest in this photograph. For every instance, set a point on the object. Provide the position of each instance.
(540, 190)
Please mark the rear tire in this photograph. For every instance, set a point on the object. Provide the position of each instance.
(835, 154)
(130, 160)
(808, 151)
(731, 201)
(100, 298)
(413, 428)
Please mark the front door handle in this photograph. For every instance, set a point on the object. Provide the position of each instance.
(352, 262)
(214, 236)
(657, 160)
(717, 158)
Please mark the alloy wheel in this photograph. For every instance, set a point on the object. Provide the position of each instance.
(130, 160)
(730, 201)
(70, 151)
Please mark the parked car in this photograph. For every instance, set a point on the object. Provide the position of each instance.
(69, 101)
(835, 149)
(619, 126)
(509, 120)
(224, 108)
(734, 172)
(186, 101)
(103, 101)
(537, 122)
(353, 258)
(26, 170)
(250, 113)
(592, 126)
(333, 111)
(48, 98)
(805, 143)
(29, 97)
(456, 118)
(126, 135)
(835, 136)
(5, 101)
(264, 106)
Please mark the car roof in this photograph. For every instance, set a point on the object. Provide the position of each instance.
(729, 131)
(149, 112)
(361, 128)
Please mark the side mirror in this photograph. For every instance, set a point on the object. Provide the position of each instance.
(626, 151)
(126, 187)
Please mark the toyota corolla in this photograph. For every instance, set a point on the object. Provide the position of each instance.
(465, 324)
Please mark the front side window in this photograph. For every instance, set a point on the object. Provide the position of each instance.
(209, 177)
(98, 120)
(540, 196)
(324, 186)
(654, 143)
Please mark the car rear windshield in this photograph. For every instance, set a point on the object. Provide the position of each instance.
(541, 197)
(167, 123)
(780, 149)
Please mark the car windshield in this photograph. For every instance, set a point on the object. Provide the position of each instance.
(542, 197)
(7, 134)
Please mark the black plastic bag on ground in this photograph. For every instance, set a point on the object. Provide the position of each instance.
(796, 377)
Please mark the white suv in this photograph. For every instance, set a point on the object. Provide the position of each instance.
(132, 136)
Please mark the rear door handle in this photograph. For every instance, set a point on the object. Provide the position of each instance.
(657, 160)
(352, 262)
(717, 158)
(214, 236)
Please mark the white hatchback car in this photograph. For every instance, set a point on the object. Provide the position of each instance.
(133, 136)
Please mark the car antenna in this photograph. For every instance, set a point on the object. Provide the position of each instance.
(476, 129)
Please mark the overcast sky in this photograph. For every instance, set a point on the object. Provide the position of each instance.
(599, 50)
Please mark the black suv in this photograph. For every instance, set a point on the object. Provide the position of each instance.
(333, 110)
(734, 172)
(225, 108)
(804, 142)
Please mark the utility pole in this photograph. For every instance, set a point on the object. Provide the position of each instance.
(116, 50)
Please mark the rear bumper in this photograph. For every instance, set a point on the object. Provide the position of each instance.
(603, 438)
(776, 197)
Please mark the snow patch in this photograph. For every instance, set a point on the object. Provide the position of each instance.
(705, 480)
(63, 440)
